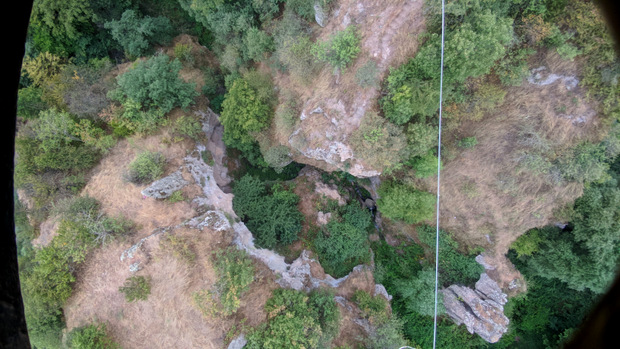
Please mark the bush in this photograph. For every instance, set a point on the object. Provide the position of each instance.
(91, 337)
(179, 247)
(154, 84)
(189, 127)
(527, 244)
(136, 288)
(585, 163)
(401, 202)
(424, 166)
(146, 167)
(513, 67)
(340, 50)
(272, 216)
(368, 75)
(344, 244)
(256, 44)
(244, 111)
(293, 48)
(235, 273)
(468, 142)
(421, 138)
(379, 143)
(29, 102)
(184, 53)
(454, 267)
(307, 321)
(136, 34)
(371, 307)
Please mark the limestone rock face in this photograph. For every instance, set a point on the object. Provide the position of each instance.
(163, 188)
(238, 342)
(481, 310)
(319, 14)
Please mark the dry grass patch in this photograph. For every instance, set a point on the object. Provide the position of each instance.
(119, 197)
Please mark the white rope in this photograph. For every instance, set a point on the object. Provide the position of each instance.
(443, 30)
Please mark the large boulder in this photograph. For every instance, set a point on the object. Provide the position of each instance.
(164, 187)
(481, 310)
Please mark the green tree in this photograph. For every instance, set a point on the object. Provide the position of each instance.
(296, 318)
(256, 44)
(244, 112)
(272, 216)
(154, 83)
(137, 34)
(340, 49)
(401, 202)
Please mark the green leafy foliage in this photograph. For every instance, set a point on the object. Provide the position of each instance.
(343, 243)
(256, 44)
(454, 267)
(475, 45)
(340, 49)
(247, 109)
(271, 215)
(91, 337)
(402, 202)
(136, 34)
(154, 84)
(235, 273)
(309, 321)
(189, 127)
(421, 138)
(513, 68)
(29, 102)
(146, 167)
(136, 288)
(184, 53)
(424, 166)
(379, 143)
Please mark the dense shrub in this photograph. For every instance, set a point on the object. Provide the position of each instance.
(136, 288)
(146, 167)
(340, 49)
(343, 243)
(306, 320)
(235, 273)
(189, 127)
(401, 202)
(513, 68)
(154, 84)
(421, 138)
(476, 43)
(424, 166)
(256, 44)
(454, 267)
(29, 102)
(136, 34)
(271, 215)
(91, 337)
(379, 143)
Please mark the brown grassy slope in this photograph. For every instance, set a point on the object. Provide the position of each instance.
(388, 31)
(486, 192)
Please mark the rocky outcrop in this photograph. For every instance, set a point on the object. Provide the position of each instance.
(481, 310)
(164, 187)
(214, 132)
(333, 109)
(238, 342)
(320, 15)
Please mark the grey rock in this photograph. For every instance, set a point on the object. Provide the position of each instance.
(481, 310)
(164, 187)
(135, 267)
(238, 342)
(380, 290)
(319, 14)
